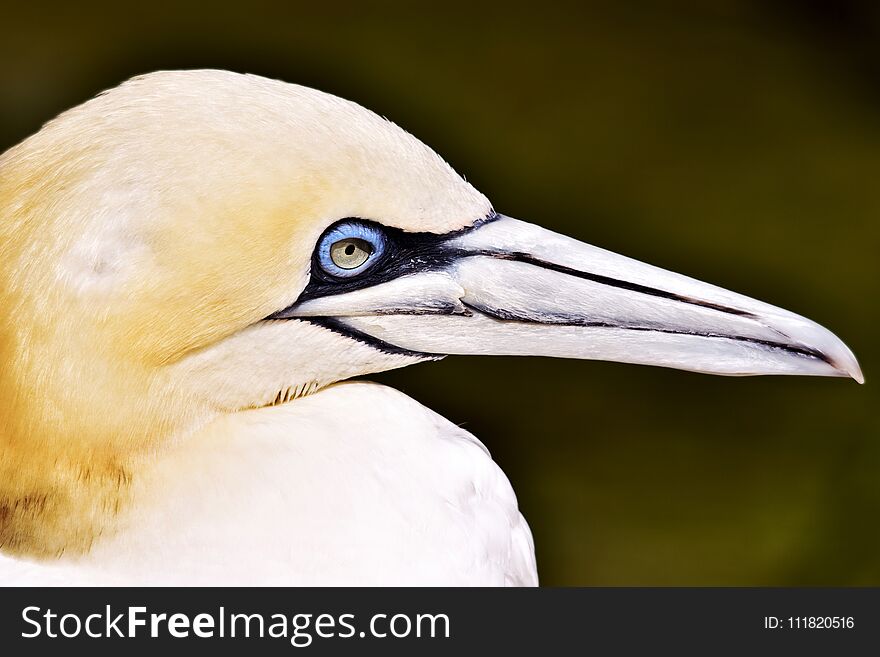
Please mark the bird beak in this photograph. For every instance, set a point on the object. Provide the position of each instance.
(508, 287)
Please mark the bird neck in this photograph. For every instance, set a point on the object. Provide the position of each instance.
(67, 466)
(54, 502)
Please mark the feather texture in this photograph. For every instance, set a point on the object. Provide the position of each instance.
(357, 484)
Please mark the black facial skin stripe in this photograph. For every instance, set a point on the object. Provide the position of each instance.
(336, 326)
(405, 253)
(574, 320)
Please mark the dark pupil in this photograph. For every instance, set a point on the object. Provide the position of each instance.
(349, 250)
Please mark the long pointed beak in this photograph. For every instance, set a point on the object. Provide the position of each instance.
(512, 288)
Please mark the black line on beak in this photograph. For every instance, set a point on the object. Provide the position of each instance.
(410, 253)
(519, 256)
(574, 320)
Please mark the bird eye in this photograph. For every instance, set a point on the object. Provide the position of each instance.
(350, 253)
(350, 248)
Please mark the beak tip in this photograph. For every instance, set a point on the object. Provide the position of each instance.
(849, 366)
(856, 373)
(838, 356)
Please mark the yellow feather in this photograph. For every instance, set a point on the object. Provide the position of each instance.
(140, 232)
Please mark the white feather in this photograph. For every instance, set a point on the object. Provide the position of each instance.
(355, 485)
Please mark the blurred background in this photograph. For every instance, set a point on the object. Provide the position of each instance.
(736, 141)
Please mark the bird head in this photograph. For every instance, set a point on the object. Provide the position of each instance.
(194, 243)
(204, 241)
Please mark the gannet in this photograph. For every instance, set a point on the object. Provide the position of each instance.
(192, 265)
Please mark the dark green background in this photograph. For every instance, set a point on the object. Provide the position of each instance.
(737, 142)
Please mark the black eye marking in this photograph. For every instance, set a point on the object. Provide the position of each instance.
(403, 253)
